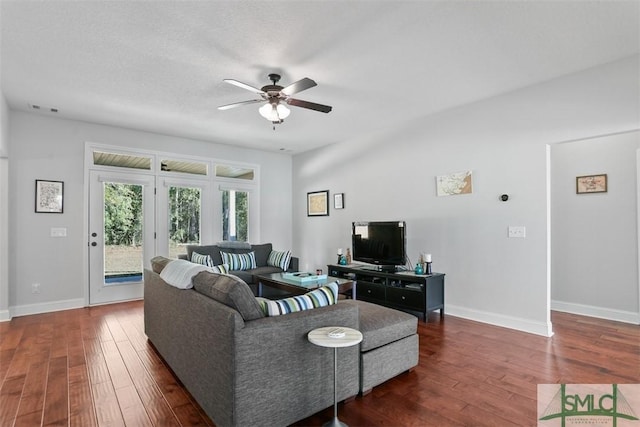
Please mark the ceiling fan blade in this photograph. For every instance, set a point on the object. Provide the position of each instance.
(238, 104)
(298, 86)
(245, 86)
(309, 105)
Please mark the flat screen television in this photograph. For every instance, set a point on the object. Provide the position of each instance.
(379, 242)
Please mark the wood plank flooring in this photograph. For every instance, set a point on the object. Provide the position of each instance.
(94, 367)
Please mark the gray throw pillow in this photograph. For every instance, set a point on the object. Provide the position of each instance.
(230, 291)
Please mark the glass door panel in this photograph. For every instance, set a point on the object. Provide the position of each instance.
(235, 215)
(185, 209)
(123, 225)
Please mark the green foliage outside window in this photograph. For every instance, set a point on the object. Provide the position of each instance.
(122, 214)
(184, 211)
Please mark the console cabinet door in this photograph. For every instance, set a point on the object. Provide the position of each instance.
(406, 298)
(370, 291)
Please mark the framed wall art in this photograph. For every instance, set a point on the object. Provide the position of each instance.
(318, 203)
(591, 184)
(338, 201)
(49, 196)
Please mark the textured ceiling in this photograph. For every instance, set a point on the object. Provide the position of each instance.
(158, 65)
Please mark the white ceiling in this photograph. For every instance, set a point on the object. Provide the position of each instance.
(158, 66)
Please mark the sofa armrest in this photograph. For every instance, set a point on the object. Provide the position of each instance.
(294, 264)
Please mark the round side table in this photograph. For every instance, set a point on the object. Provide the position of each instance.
(322, 338)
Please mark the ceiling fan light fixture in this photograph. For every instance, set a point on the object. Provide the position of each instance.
(274, 112)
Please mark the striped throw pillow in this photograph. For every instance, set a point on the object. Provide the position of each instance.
(279, 259)
(221, 268)
(201, 259)
(321, 297)
(239, 261)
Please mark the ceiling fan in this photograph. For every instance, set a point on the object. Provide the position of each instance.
(276, 96)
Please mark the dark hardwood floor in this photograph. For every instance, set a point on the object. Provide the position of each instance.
(94, 367)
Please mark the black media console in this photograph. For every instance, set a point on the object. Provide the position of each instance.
(402, 290)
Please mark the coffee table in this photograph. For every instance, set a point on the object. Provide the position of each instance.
(277, 280)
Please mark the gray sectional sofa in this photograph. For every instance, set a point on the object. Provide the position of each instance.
(261, 251)
(246, 370)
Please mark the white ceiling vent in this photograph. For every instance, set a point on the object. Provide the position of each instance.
(42, 108)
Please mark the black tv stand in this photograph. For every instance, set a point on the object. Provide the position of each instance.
(404, 290)
(382, 268)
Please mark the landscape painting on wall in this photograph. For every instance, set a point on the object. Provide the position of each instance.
(454, 183)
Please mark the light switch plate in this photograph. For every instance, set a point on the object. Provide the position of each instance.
(517, 231)
(58, 231)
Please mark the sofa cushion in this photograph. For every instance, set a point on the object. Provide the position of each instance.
(279, 259)
(179, 272)
(234, 245)
(201, 259)
(158, 263)
(230, 291)
(321, 297)
(262, 252)
(382, 325)
(239, 261)
(212, 250)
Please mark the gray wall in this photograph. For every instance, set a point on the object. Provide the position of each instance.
(50, 148)
(594, 239)
(4, 209)
(390, 174)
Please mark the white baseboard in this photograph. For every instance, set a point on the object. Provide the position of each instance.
(5, 316)
(518, 323)
(47, 307)
(599, 312)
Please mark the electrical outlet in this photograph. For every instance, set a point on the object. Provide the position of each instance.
(35, 288)
(517, 231)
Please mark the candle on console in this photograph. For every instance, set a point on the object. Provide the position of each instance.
(339, 251)
(427, 257)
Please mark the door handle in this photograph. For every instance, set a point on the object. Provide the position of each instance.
(94, 244)
(94, 234)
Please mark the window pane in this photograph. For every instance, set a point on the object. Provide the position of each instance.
(184, 219)
(121, 160)
(181, 166)
(122, 233)
(235, 212)
(229, 171)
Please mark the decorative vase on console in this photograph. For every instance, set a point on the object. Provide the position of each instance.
(343, 260)
(348, 256)
(419, 269)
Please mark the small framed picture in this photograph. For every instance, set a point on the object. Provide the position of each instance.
(338, 201)
(318, 203)
(49, 196)
(591, 184)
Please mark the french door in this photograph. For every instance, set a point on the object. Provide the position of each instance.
(121, 234)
